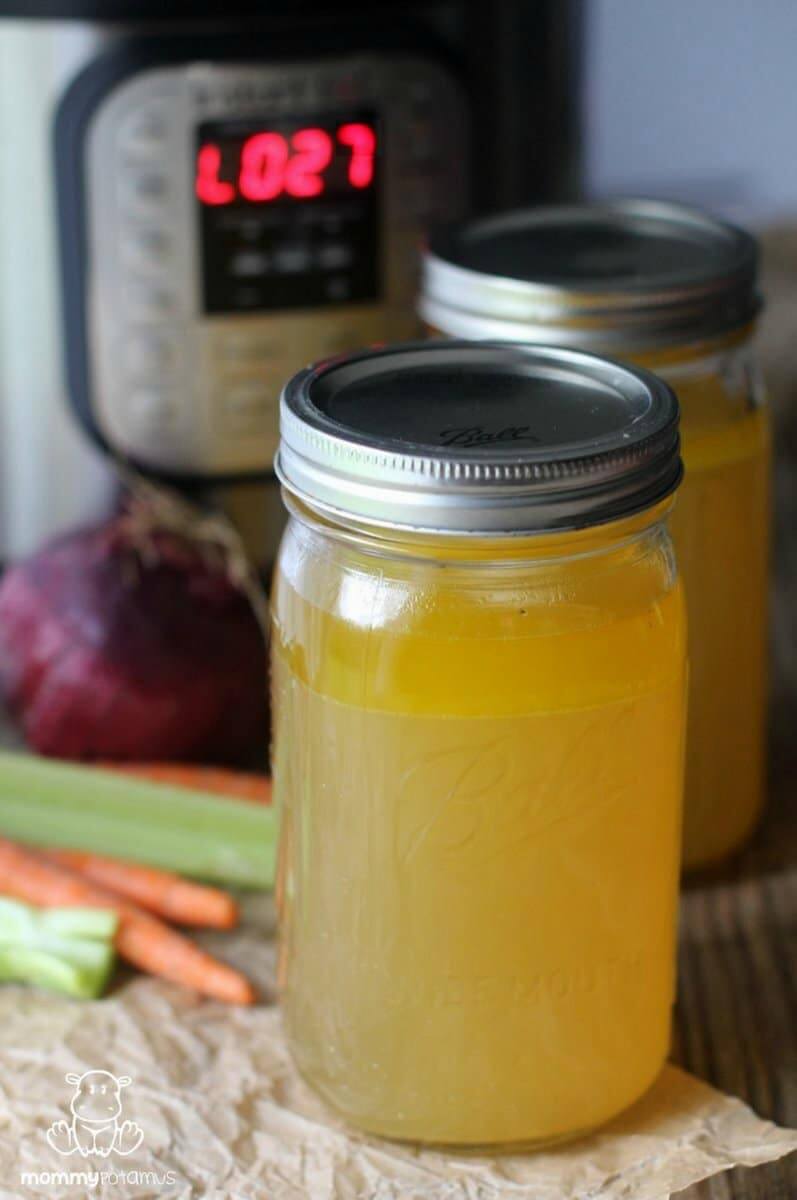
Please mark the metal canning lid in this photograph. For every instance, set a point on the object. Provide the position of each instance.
(624, 275)
(478, 438)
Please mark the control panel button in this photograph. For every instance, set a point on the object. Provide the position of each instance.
(148, 354)
(334, 256)
(145, 130)
(250, 264)
(146, 249)
(144, 192)
(150, 301)
(153, 410)
(291, 260)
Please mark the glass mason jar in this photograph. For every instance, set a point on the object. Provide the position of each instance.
(673, 290)
(479, 694)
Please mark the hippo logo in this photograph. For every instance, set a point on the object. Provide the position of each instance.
(96, 1127)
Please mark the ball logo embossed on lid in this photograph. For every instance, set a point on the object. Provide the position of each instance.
(464, 437)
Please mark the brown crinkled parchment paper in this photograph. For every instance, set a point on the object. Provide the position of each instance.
(224, 1116)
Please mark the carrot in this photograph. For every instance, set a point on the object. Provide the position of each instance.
(162, 892)
(140, 938)
(220, 781)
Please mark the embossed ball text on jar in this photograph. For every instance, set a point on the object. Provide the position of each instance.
(673, 290)
(478, 759)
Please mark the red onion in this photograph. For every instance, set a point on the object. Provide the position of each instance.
(122, 646)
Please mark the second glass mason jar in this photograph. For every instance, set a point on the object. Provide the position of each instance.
(674, 290)
(479, 694)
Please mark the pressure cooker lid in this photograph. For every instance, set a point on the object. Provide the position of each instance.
(123, 10)
(156, 11)
(464, 437)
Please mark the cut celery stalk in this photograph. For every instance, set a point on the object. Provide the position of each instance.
(18, 920)
(98, 924)
(85, 980)
(50, 803)
(77, 952)
(66, 949)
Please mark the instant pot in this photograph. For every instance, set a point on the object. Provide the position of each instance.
(193, 206)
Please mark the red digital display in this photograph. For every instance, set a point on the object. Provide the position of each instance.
(269, 165)
(289, 210)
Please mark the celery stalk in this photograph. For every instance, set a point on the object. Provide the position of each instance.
(85, 980)
(97, 924)
(19, 920)
(50, 803)
(69, 950)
